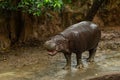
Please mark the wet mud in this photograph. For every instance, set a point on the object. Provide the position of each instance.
(33, 63)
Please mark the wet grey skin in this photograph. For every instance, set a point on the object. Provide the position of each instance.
(80, 37)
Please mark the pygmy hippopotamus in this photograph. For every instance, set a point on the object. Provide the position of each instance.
(80, 37)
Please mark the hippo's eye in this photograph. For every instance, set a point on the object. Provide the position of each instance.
(58, 42)
(50, 38)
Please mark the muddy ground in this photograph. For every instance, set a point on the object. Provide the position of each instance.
(33, 63)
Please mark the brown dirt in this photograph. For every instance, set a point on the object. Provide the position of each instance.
(108, 77)
(33, 63)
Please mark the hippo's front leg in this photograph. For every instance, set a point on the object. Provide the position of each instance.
(68, 60)
(79, 60)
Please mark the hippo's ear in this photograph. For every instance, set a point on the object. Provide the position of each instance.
(66, 40)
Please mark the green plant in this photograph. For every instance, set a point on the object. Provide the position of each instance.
(35, 7)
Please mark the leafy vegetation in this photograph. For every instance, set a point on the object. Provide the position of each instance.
(6, 4)
(38, 6)
(35, 7)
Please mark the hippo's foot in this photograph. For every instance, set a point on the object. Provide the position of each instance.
(66, 67)
(90, 60)
(80, 66)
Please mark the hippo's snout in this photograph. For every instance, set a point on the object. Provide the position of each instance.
(50, 47)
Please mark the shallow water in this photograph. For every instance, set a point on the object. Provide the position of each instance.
(37, 65)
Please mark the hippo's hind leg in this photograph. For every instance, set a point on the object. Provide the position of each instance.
(79, 60)
(68, 60)
(91, 55)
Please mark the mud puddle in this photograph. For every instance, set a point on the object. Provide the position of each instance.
(46, 67)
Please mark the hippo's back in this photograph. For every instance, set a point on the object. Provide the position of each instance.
(81, 27)
(82, 36)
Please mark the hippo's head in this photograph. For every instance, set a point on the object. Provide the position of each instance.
(56, 44)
